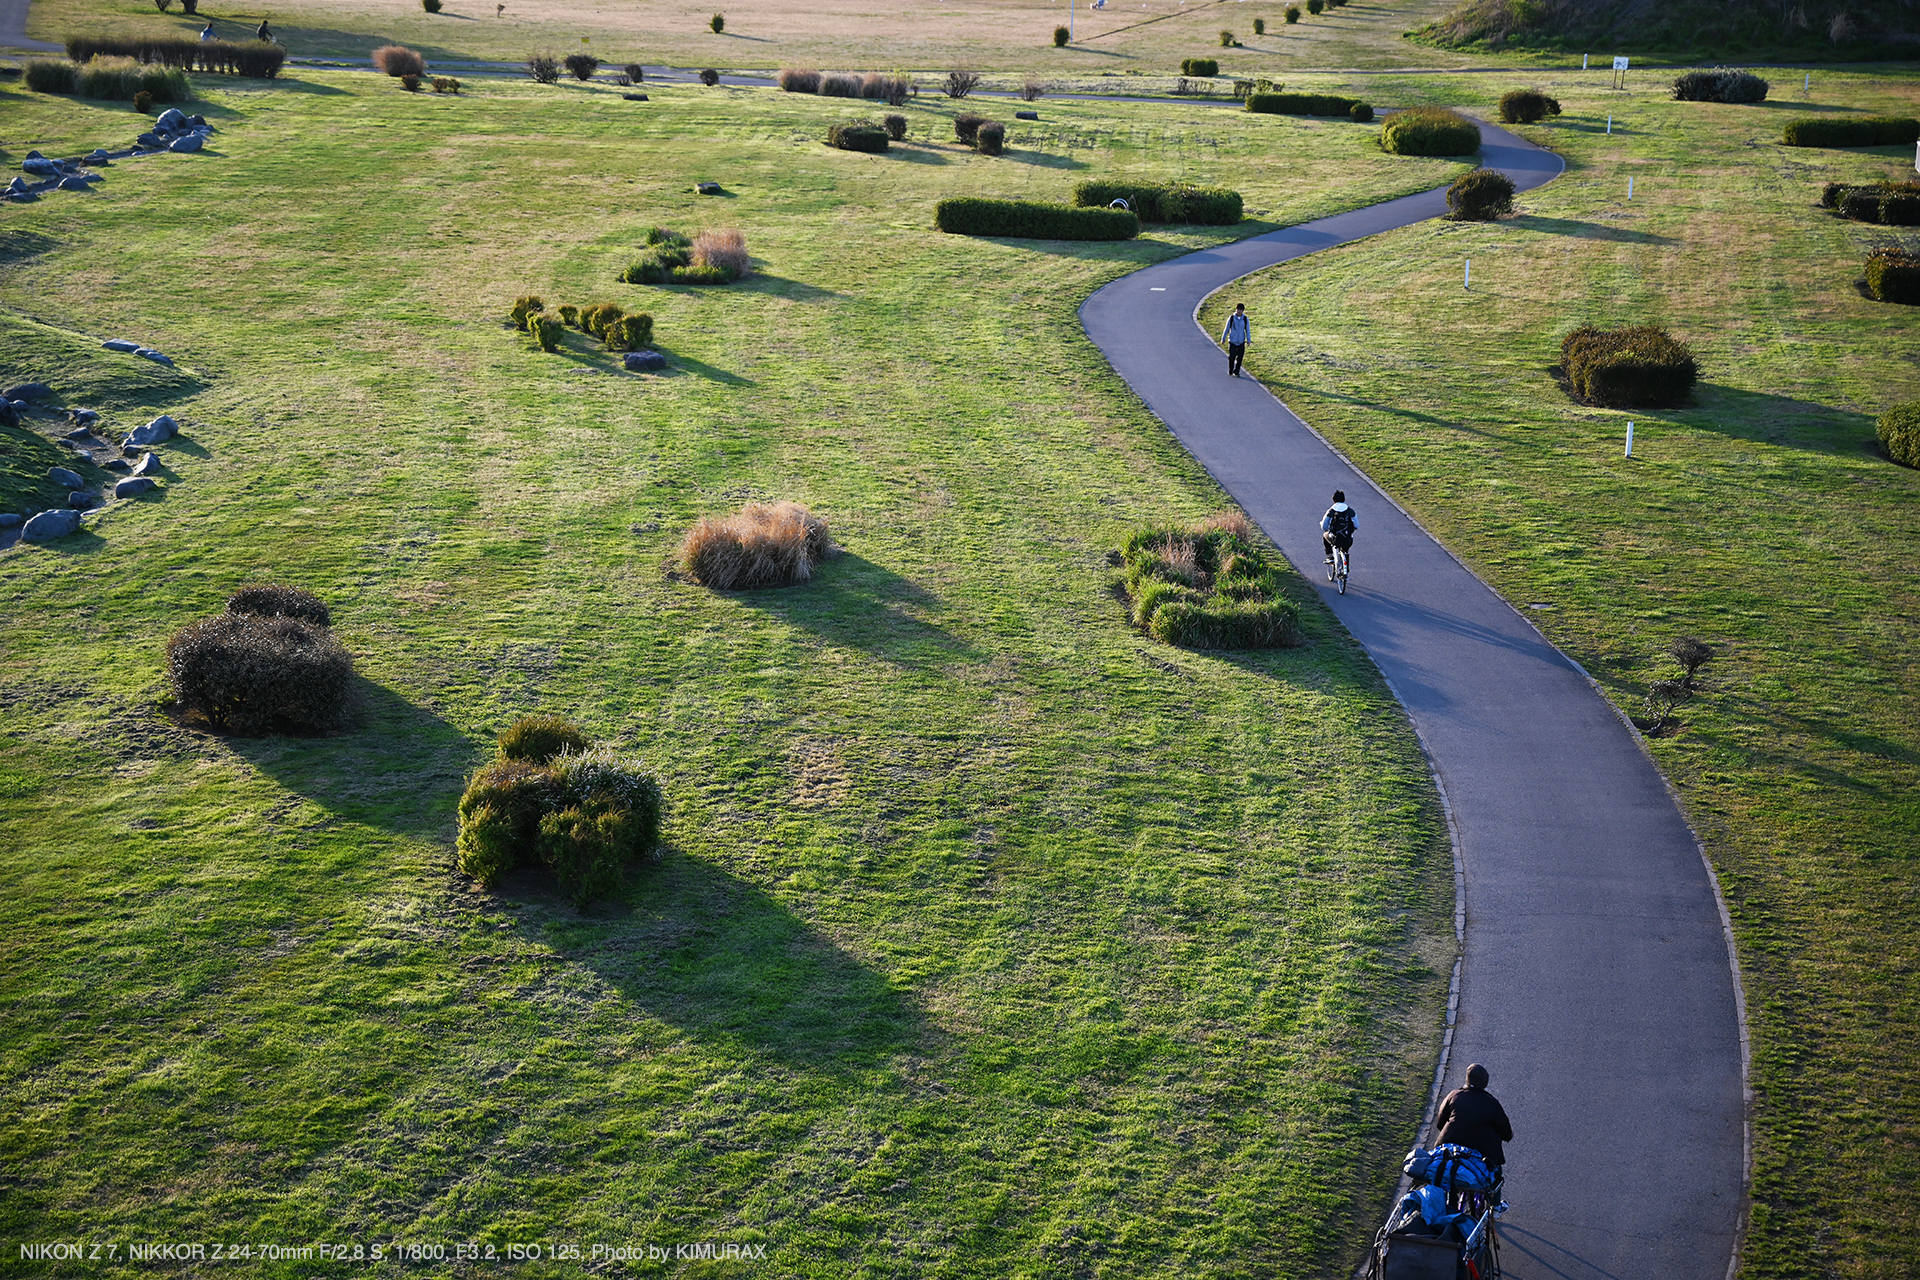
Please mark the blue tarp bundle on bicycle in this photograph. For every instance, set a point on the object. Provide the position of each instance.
(1448, 1166)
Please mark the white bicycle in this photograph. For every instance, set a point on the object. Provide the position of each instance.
(1337, 571)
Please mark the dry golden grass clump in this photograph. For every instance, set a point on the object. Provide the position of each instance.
(762, 545)
(723, 251)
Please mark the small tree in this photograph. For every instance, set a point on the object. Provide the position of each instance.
(582, 65)
(1662, 697)
(1293, 13)
(960, 83)
(1060, 37)
(1033, 89)
(709, 77)
(1259, 26)
(1692, 653)
(1226, 39)
(718, 22)
(1316, 6)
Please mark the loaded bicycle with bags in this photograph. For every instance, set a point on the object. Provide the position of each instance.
(1444, 1229)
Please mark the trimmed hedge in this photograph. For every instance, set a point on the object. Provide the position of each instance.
(1165, 202)
(43, 75)
(258, 59)
(990, 139)
(1526, 106)
(1638, 367)
(1207, 587)
(1899, 430)
(1893, 275)
(254, 674)
(1890, 204)
(1866, 131)
(971, 216)
(1480, 196)
(1722, 84)
(1301, 104)
(966, 126)
(858, 135)
(1206, 67)
(1430, 131)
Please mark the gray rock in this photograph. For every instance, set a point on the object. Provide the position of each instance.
(640, 361)
(117, 464)
(8, 519)
(91, 178)
(80, 501)
(78, 433)
(161, 429)
(192, 142)
(40, 167)
(84, 415)
(148, 464)
(155, 356)
(73, 184)
(200, 122)
(62, 476)
(1026, 115)
(707, 188)
(28, 391)
(35, 155)
(49, 525)
(172, 120)
(149, 141)
(18, 184)
(132, 485)
(120, 344)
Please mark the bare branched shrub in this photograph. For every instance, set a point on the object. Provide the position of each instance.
(1692, 653)
(544, 68)
(270, 600)
(256, 674)
(959, 83)
(1033, 89)
(724, 251)
(763, 545)
(398, 60)
(582, 65)
(1662, 697)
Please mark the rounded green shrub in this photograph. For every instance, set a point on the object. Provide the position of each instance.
(1060, 37)
(966, 125)
(1480, 196)
(485, 848)
(540, 738)
(523, 306)
(570, 315)
(1259, 26)
(1293, 13)
(991, 138)
(254, 674)
(1226, 40)
(858, 135)
(1526, 106)
(1362, 112)
(1899, 431)
(896, 127)
(547, 330)
(631, 332)
(1638, 367)
(1316, 6)
(431, 6)
(1203, 68)
(1430, 131)
(271, 600)
(1721, 84)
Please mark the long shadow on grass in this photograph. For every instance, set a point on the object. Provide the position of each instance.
(781, 287)
(1297, 391)
(701, 369)
(857, 604)
(1778, 420)
(400, 769)
(1586, 230)
(723, 960)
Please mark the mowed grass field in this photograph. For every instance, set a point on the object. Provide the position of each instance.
(1761, 518)
(1147, 36)
(991, 939)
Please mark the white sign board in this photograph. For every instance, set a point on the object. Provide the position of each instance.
(1619, 64)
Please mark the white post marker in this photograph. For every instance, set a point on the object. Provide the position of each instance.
(1629, 186)
(1583, 62)
(1467, 282)
(1629, 439)
(1809, 83)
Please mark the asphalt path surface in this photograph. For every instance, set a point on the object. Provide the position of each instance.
(1596, 981)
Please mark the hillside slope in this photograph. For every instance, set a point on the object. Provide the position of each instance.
(1823, 29)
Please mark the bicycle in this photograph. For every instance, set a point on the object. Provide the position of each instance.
(1337, 571)
(1481, 1253)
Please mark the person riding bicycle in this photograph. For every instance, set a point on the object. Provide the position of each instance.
(1472, 1117)
(1337, 526)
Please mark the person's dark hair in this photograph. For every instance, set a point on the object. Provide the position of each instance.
(1339, 495)
(1476, 1076)
(1239, 306)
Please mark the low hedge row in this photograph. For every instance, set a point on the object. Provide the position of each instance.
(259, 59)
(1722, 84)
(1890, 204)
(1165, 202)
(1638, 367)
(1301, 104)
(858, 135)
(1866, 131)
(1899, 429)
(972, 216)
(1430, 131)
(1893, 275)
(1200, 67)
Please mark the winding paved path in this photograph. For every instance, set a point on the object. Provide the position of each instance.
(1596, 980)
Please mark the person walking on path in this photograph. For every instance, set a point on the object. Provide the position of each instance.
(1472, 1117)
(1235, 335)
(1336, 530)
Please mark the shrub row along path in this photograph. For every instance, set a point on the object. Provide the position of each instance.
(1596, 981)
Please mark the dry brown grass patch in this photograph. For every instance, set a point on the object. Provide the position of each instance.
(762, 545)
(725, 250)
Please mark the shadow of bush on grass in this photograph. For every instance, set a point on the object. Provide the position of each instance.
(723, 960)
(854, 603)
(1772, 419)
(400, 768)
(1586, 230)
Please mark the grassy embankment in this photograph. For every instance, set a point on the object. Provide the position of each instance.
(1686, 30)
(1013, 36)
(992, 939)
(1761, 518)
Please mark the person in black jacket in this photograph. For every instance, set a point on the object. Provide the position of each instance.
(1474, 1118)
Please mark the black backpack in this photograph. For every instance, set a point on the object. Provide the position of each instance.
(1340, 523)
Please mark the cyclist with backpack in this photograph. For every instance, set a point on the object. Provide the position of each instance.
(1337, 526)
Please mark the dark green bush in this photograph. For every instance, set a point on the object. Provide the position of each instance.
(631, 332)
(1208, 67)
(255, 674)
(1316, 6)
(1893, 275)
(582, 65)
(896, 127)
(1301, 104)
(544, 68)
(1362, 112)
(990, 139)
(966, 125)
(635, 72)
(1480, 196)
(1899, 429)
(431, 6)
(143, 103)
(1526, 106)
(1207, 587)
(1893, 204)
(600, 317)
(1722, 84)
(1060, 37)
(537, 739)
(667, 237)
(46, 76)
(1638, 367)
(1158, 202)
(570, 315)
(857, 135)
(1430, 131)
(1259, 26)
(271, 600)
(1865, 131)
(1293, 13)
(1227, 42)
(709, 77)
(718, 22)
(546, 330)
(523, 306)
(969, 216)
(583, 814)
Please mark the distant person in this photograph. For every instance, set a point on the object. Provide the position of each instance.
(1336, 530)
(1235, 335)
(1474, 1118)
(206, 32)
(261, 33)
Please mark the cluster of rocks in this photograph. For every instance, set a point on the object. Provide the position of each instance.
(134, 465)
(644, 361)
(135, 349)
(172, 131)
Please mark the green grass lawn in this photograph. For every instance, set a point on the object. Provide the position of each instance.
(1761, 518)
(991, 939)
